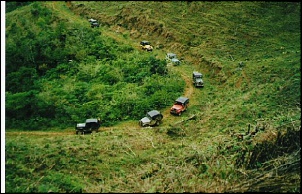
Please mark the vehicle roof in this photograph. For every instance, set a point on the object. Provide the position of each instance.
(153, 113)
(145, 41)
(182, 99)
(91, 120)
(171, 54)
(174, 60)
(196, 73)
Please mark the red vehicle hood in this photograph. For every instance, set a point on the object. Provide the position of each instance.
(177, 107)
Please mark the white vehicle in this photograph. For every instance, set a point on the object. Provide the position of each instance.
(92, 20)
(152, 118)
(170, 56)
(175, 62)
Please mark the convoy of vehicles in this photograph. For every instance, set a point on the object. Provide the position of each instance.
(154, 117)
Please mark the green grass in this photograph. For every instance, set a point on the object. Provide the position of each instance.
(185, 154)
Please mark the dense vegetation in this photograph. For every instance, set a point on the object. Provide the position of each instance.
(58, 73)
(241, 132)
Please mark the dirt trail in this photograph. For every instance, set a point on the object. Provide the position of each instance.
(39, 133)
(168, 118)
(189, 89)
(189, 86)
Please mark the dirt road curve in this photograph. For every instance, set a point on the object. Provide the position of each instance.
(168, 118)
(39, 133)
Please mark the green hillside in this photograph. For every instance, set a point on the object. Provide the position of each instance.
(241, 132)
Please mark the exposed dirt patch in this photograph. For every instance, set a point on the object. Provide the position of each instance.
(39, 133)
(244, 77)
(189, 87)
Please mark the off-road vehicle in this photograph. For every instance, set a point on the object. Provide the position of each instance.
(146, 45)
(152, 118)
(90, 125)
(197, 79)
(91, 20)
(93, 23)
(170, 56)
(180, 105)
(175, 62)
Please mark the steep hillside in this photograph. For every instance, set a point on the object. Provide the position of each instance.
(241, 132)
(249, 55)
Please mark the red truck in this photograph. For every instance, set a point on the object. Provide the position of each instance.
(179, 106)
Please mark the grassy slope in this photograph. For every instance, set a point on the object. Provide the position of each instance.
(195, 155)
(220, 39)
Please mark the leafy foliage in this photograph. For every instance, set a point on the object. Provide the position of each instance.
(52, 55)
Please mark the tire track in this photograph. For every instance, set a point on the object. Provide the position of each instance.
(168, 118)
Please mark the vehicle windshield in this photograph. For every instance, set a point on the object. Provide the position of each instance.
(149, 117)
(178, 103)
(145, 43)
